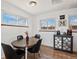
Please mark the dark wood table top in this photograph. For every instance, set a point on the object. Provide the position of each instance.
(22, 43)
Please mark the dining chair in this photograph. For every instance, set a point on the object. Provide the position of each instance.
(10, 53)
(35, 48)
(37, 36)
(19, 37)
(19, 50)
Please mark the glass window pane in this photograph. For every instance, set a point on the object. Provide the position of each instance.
(3, 18)
(12, 20)
(73, 20)
(51, 23)
(22, 21)
(9, 19)
(43, 24)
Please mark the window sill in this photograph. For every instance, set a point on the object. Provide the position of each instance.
(13, 25)
(47, 30)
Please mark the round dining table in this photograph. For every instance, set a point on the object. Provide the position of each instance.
(22, 44)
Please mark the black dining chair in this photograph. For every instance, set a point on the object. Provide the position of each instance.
(37, 36)
(10, 53)
(19, 37)
(35, 48)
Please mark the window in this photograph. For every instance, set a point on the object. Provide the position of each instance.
(48, 24)
(12, 20)
(22, 21)
(51, 24)
(43, 24)
(9, 19)
(73, 23)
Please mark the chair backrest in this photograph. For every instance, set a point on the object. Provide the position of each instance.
(36, 47)
(37, 36)
(19, 37)
(8, 51)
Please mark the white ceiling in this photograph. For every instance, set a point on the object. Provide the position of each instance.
(43, 6)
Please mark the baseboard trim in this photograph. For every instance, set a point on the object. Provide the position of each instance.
(47, 46)
(74, 52)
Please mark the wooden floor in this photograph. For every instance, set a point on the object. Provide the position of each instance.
(49, 53)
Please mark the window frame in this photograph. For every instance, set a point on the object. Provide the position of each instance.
(15, 25)
(47, 29)
(71, 21)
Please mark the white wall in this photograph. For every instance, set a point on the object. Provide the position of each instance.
(48, 36)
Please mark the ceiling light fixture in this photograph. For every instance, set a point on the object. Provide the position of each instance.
(33, 3)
